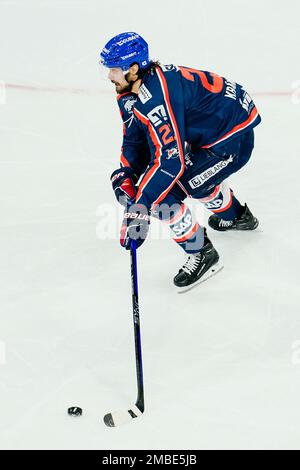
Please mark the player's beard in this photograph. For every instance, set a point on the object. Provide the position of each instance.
(125, 88)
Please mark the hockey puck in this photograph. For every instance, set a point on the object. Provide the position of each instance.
(75, 411)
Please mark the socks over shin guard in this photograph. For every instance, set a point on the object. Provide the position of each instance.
(188, 234)
(223, 203)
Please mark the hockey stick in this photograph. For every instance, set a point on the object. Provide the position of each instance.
(122, 417)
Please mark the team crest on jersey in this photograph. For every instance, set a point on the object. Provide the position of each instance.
(129, 105)
(172, 153)
(144, 94)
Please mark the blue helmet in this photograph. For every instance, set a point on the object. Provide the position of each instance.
(124, 50)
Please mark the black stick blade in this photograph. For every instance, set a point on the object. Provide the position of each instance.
(108, 420)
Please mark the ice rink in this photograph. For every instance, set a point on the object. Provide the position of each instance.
(222, 362)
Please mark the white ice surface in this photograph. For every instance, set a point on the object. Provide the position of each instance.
(221, 363)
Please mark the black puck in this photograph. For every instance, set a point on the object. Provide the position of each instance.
(75, 411)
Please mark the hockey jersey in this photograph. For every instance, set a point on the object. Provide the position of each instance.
(178, 105)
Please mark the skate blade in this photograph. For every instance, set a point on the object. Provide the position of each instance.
(210, 273)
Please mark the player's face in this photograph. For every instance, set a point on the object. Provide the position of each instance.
(117, 76)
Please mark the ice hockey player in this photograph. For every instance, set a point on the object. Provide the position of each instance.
(184, 132)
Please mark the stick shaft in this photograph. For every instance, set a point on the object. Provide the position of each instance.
(137, 331)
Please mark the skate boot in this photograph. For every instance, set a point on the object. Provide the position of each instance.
(246, 221)
(198, 267)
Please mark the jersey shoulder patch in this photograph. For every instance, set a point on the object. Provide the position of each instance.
(126, 102)
(144, 94)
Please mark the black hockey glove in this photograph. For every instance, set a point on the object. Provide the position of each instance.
(135, 226)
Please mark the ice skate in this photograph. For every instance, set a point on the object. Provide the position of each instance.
(246, 221)
(198, 268)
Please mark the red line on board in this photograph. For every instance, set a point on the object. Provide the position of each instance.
(85, 91)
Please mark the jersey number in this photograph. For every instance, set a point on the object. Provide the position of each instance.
(215, 87)
(165, 132)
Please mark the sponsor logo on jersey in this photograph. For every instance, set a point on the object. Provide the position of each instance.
(158, 115)
(144, 94)
(172, 153)
(200, 179)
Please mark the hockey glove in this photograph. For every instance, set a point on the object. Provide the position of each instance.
(123, 182)
(135, 226)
